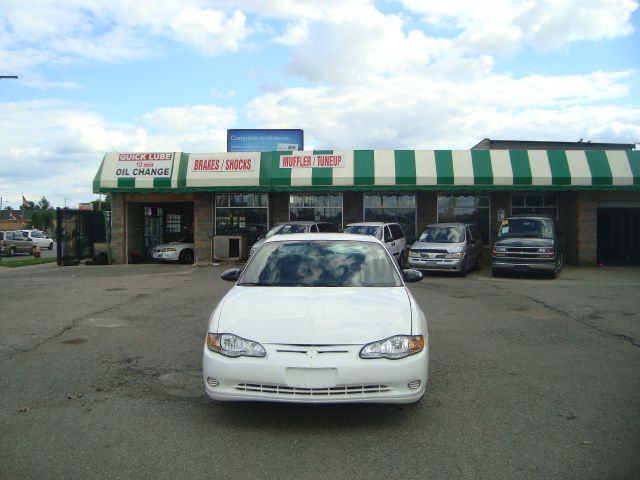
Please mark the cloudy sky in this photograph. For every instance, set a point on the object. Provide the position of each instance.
(137, 75)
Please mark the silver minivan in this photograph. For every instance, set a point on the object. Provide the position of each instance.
(451, 247)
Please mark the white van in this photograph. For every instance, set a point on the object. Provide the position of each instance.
(390, 233)
(38, 238)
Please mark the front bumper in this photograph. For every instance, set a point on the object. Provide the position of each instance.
(333, 374)
(439, 264)
(502, 266)
(167, 256)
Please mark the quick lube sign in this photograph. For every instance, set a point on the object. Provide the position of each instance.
(156, 164)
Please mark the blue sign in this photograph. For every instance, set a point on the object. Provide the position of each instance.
(264, 140)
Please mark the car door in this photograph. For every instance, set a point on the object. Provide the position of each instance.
(474, 244)
(393, 246)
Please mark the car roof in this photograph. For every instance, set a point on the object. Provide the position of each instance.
(450, 224)
(327, 236)
(300, 222)
(370, 224)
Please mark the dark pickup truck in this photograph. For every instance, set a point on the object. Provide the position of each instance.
(527, 243)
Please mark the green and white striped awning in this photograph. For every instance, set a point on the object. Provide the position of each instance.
(370, 170)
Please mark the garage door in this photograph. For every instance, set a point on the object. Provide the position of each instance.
(619, 235)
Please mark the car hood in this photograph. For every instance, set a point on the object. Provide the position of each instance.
(525, 242)
(449, 247)
(315, 315)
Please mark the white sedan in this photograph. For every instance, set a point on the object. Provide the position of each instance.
(318, 318)
(180, 251)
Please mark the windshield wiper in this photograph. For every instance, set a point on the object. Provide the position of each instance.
(256, 284)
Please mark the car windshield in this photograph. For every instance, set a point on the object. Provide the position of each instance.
(37, 234)
(286, 228)
(525, 228)
(321, 264)
(364, 230)
(437, 234)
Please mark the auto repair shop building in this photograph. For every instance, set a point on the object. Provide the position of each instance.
(227, 200)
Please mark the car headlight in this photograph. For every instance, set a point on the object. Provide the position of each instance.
(454, 255)
(393, 348)
(234, 346)
(414, 254)
(169, 249)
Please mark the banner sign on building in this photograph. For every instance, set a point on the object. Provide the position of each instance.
(138, 165)
(312, 161)
(223, 163)
(264, 140)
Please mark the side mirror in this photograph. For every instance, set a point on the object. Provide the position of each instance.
(410, 275)
(231, 275)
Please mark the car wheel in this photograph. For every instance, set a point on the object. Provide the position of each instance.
(463, 268)
(12, 252)
(186, 256)
(51, 246)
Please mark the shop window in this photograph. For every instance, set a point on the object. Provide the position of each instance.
(392, 208)
(242, 214)
(535, 203)
(318, 208)
(173, 223)
(466, 208)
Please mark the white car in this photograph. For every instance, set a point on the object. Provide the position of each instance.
(318, 318)
(39, 238)
(180, 251)
(390, 233)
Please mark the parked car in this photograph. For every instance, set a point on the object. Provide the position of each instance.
(318, 318)
(391, 234)
(294, 226)
(527, 243)
(451, 247)
(13, 241)
(39, 238)
(180, 251)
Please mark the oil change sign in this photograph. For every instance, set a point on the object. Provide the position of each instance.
(140, 165)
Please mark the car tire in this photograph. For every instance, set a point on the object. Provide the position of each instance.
(463, 268)
(50, 247)
(186, 257)
(12, 251)
(495, 273)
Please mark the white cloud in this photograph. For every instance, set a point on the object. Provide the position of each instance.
(505, 25)
(190, 119)
(416, 112)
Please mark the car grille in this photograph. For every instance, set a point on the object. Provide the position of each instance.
(524, 253)
(314, 392)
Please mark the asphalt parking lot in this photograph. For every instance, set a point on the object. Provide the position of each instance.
(529, 378)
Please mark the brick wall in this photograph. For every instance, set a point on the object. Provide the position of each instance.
(203, 226)
(118, 253)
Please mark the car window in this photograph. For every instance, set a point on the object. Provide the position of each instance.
(321, 264)
(442, 234)
(286, 228)
(526, 228)
(396, 231)
(387, 234)
(1, 235)
(372, 230)
(327, 227)
(37, 235)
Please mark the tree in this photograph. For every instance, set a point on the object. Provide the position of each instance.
(42, 219)
(43, 204)
(105, 205)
